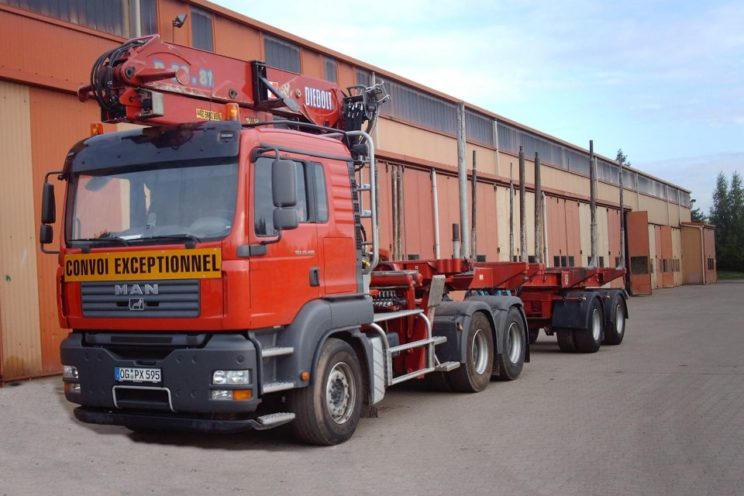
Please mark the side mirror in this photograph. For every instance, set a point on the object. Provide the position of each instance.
(285, 218)
(48, 206)
(283, 184)
(46, 234)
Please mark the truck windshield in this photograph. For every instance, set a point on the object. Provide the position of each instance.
(154, 205)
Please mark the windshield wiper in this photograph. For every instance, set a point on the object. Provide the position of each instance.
(102, 240)
(190, 239)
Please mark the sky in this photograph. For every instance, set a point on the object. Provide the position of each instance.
(663, 80)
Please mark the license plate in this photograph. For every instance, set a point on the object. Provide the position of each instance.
(133, 374)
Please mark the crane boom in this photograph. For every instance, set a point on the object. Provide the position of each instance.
(149, 81)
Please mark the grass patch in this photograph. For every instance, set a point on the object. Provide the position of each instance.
(729, 274)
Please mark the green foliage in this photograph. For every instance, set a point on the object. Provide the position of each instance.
(697, 215)
(727, 214)
(622, 158)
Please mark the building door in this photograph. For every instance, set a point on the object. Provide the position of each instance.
(638, 253)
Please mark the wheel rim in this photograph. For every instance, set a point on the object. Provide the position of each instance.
(480, 351)
(514, 345)
(596, 324)
(619, 320)
(340, 393)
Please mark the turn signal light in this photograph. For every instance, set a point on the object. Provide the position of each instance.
(242, 394)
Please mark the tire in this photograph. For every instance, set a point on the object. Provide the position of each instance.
(590, 339)
(534, 333)
(328, 410)
(615, 328)
(474, 375)
(510, 361)
(566, 340)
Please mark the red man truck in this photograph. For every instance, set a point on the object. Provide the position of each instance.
(219, 268)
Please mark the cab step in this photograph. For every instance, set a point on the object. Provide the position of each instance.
(275, 419)
(446, 366)
(277, 351)
(273, 387)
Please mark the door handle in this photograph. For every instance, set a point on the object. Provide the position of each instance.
(314, 277)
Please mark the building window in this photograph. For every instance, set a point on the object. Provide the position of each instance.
(330, 72)
(478, 128)
(282, 55)
(110, 16)
(417, 107)
(362, 77)
(201, 30)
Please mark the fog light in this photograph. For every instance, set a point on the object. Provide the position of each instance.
(222, 377)
(70, 372)
(72, 387)
(222, 394)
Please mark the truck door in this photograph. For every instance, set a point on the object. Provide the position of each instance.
(286, 275)
(638, 252)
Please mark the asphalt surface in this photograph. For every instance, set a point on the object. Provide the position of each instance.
(661, 414)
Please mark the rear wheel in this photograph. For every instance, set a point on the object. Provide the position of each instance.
(534, 333)
(510, 361)
(566, 340)
(589, 340)
(474, 375)
(615, 330)
(328, 410)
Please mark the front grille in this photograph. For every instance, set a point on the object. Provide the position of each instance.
(141, 299)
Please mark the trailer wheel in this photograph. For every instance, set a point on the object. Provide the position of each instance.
(328, 410)
(534, 333)
(475, 374)
(589, 340)
(510, 361)
(566, 340)
(615, 329)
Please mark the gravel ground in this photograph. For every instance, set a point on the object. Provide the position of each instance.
(661, 414)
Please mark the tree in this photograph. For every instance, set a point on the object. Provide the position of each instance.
(697, 215)
(622, 158)
(727, 214)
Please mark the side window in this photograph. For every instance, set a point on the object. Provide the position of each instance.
(263, 203)
(317, 192)
(312, 198)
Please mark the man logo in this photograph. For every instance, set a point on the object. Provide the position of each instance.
(135, 289)
(136, 304)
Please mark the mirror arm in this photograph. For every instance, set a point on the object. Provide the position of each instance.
(272, 241)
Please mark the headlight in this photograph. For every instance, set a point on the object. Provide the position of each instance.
(70, 372)
(222, 377)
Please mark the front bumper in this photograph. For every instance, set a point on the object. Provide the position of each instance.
(155, 421)
(185, 387)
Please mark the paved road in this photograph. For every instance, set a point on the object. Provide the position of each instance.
(661, 414)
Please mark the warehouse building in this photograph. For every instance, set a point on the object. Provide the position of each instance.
(47, 48)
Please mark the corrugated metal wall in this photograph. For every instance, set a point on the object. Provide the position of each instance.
(50, 143)
(18, 286)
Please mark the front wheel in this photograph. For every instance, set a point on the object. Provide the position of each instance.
(474, 375)
(328, 410)
(510, 361)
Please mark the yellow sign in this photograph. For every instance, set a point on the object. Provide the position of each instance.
(210, 115)
(204, 263)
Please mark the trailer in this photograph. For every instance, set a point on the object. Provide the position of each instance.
(569, 302)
